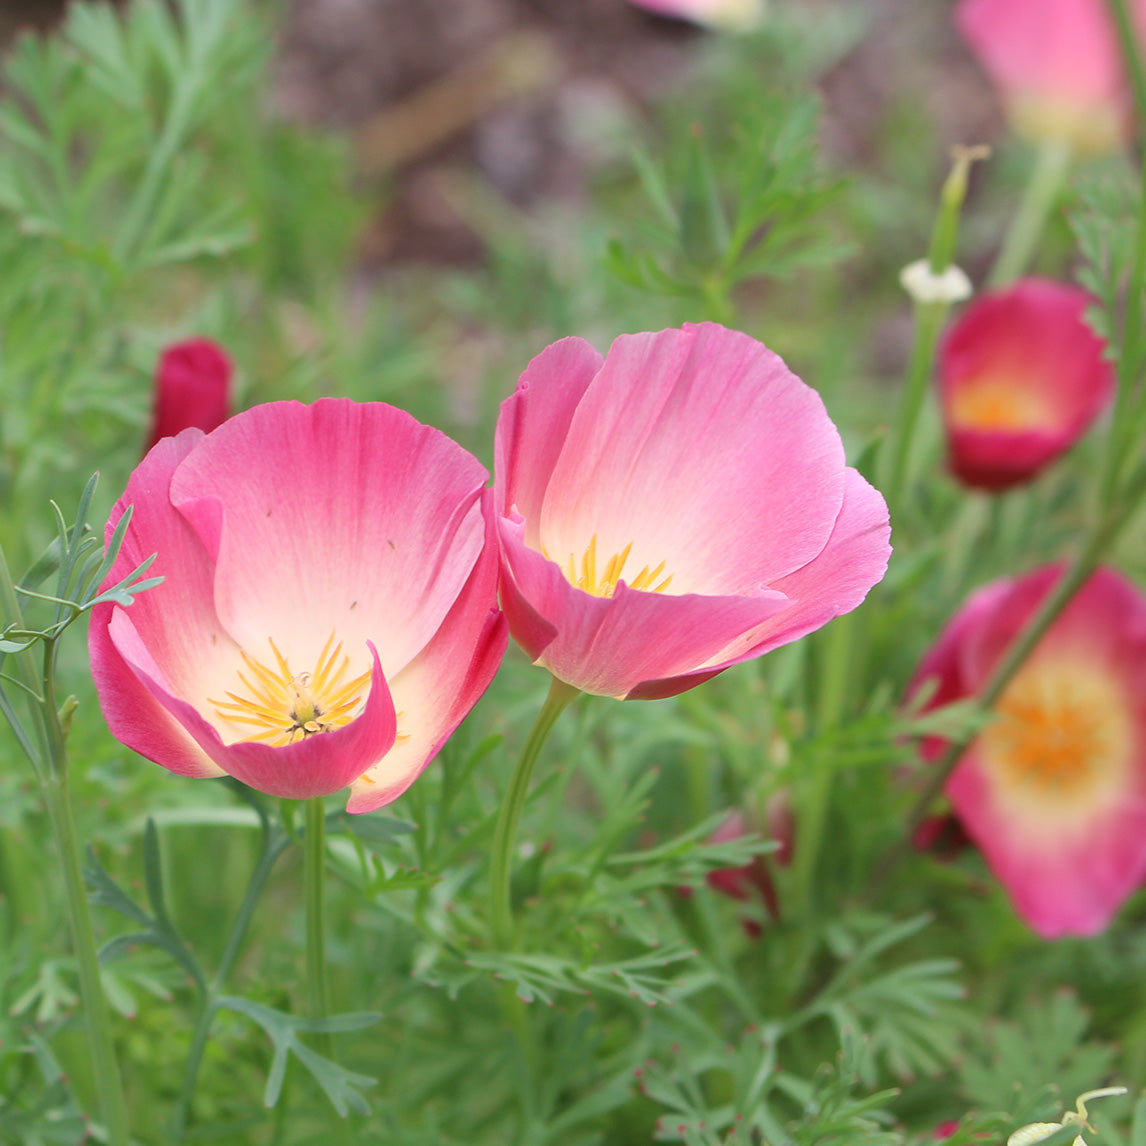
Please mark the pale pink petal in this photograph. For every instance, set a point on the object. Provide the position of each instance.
(610, 646)
(333, 518)
(835, 582)
(437, 689)
(533, 423)
(701, 449)
(313, 766)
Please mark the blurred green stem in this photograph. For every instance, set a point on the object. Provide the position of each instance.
(46, 745)
(54, 785)
(509, 814)
(929, 318)
(314, 885)
(274, 844)
(1047, 178)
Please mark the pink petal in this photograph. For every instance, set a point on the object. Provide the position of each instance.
(533, 423)
(439, 687)
(610, 646)
(337, 517)
(703, 450)
(185, 636)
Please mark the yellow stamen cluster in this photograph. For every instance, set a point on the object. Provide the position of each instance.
(606, 585)
(997, 405)
(286, 706)
(1053, 733)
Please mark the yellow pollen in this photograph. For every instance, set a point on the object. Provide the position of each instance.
(1057, 732)
(998, 405)
(285, 706)
(584, 576)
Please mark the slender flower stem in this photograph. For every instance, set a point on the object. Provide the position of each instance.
(274, 844)
(314, 890)
(54, 785)
(509, 814)
(1047, 178)
(929, 317)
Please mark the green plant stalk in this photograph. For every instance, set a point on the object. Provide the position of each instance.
(929, 318)
(509, 814)
(55, 787)
(314, 891)
(273, 847)
(1128, 417)
(1047, 178)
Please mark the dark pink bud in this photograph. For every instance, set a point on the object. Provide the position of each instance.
(192, 388)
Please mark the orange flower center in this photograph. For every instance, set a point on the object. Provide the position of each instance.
(584, 575)
(284, 706)
(1060, 730)
(995, 405)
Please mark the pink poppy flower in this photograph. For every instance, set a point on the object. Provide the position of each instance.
(192, 388)
(327, 615)
(1053, 791)
(1021, 378)
(674, 509)
(1057, 66)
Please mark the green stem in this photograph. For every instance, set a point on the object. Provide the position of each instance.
(314, 890)
(55, 787)
(274, 844)
(929, 318)
(1047, 178)
(509, 814)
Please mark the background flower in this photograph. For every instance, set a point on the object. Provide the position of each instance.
(192, 389)
(327, 617)
(1053, 791)
(1057, 66)
(674, 509)
(1021, 378)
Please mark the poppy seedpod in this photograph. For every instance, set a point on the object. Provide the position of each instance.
(1053, 791)
(1021, 378)
(673, 509)
(327, 615)
(1057, 66)
(192, 389)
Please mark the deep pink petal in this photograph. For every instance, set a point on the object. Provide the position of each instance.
(337, 517)
(314, 766)
(609, 646)
(703, 450)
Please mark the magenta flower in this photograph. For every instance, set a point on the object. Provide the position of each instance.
(1057, 66)
(1021, 378)
(1053, 791)
(674, 509)
(192, 389)
(327, 616)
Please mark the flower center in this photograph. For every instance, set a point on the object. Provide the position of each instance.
(584, 575)
(284, 706)
(996, 405)
(1059, 730)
